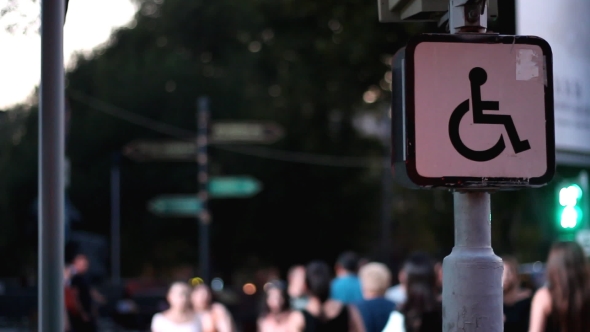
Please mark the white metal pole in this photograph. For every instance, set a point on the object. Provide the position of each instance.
(51, 169)
(472, 273)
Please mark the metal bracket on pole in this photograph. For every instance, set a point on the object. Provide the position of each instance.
(391, 11)
(468, 16)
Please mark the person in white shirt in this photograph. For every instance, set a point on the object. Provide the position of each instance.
(179, 317)
(214, 316)
(397, 293)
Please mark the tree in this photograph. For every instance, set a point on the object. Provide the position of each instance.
(305, 64)
(16, 15)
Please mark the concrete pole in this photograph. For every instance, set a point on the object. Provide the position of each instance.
(204, 216)
(472, 273)
(51, 169)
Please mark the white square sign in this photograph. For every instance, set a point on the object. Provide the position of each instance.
(478, 111)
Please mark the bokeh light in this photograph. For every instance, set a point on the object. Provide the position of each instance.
(249, 289)
(217, 284)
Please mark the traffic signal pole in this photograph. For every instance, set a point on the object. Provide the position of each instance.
(472, 273)
(51, 169)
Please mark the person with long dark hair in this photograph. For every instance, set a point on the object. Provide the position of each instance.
(563, 305)
(422, 310)
(276, 308)
(321, 313)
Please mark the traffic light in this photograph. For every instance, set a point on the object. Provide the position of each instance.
(570, 211)
(572, 204)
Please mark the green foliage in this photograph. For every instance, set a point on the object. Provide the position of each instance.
(303, 64)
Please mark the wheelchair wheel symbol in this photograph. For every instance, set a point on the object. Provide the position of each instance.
(478, 77)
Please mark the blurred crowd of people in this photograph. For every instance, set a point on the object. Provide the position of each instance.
(357, 296)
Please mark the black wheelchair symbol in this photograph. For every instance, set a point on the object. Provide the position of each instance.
(478, 77)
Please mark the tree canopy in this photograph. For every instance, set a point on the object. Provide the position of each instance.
(311, 66)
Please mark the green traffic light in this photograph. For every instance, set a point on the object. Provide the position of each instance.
(571, 214)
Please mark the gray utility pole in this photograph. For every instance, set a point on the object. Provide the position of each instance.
(51, 169)
(116, 219)
(472, 273)
(204, 217)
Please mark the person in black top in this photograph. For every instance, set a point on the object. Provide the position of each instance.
(422, 311)
(517, 301)
(83, 320)
(322, 314)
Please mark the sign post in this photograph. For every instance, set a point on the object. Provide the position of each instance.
(227, 132)
(473, 112)
(116, 219)
(203, 215)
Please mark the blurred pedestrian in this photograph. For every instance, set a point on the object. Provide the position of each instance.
(438, 270)
(517, 300)
(346, 287)
(422, 310)
(81, 309)
(564, 303)
(214, 316)
(69, 299)
(179, 317)
(375, 308)
(296, 287)
(276, 308)
(397, 293)
(321, 313)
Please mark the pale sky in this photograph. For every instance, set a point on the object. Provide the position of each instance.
(89, 23)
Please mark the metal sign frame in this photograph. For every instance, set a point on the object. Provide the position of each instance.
(403, 119)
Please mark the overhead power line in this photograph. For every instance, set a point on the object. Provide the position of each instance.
(254, 151)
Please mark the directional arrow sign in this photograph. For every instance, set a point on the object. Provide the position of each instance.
(176, 206)
(161, 150)
(221, 133)
(245, 132)
(233, 187)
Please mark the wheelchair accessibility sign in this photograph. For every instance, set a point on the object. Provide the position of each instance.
(474, 112)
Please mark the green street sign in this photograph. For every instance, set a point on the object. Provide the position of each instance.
(176, 206)
(233, 187)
